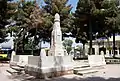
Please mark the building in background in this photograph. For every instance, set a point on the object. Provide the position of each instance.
(104, 46)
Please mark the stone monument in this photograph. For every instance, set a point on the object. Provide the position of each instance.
(56, 63)
(56, 48)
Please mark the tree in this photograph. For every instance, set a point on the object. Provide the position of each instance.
(68, 45)
(3, 19)
(28, 19)
(82, 21)
(112, 19)
(89, 22)
(52, 7)
(100, 17)
(22, 19)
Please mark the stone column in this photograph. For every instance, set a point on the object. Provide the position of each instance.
(56, 48)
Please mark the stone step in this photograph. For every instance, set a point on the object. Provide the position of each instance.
(11, 71)
(81, 66)
(86, 72)
(98, 67)
(76, 70)
(21, 65)
(82, 69)
(29, 77)
(17, 68)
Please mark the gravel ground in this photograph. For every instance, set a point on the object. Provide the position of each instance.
(110, 73)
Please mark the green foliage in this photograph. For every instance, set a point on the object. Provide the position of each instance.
(28, 20)
(102, 14)
(3, 11)
(68, 45)
(52, 7)
(3, 18)
(113, 20)
(81, 21)
(79, 48)
(30, 45)
(95, 19)
(22, 18)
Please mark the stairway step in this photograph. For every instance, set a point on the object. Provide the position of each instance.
(21, 65)
(99, 67)
(76, 70)
(11, 71)
(87, 72)
(17, 68)
(29, 77)
(82, 69)
(81, 66)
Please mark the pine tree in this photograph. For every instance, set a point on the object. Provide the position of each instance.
(57, 6)
(95, 17)
(112, 19)
(84, 19)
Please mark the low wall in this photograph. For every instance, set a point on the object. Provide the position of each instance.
(49, 66)
(112, 61)
(19, 60)
(96, 60)
(16, 58)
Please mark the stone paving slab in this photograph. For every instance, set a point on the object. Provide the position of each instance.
(110, 73)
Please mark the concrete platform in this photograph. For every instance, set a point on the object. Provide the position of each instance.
(109, 73)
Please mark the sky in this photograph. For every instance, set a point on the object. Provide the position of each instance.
(72, 2)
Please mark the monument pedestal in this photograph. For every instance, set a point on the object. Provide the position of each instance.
(50, 66)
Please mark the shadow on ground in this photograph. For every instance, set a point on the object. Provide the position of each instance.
(78, 79)
(75, 78)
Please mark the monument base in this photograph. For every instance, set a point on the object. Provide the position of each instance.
(52, 72)
(19, 60)
(50, 66)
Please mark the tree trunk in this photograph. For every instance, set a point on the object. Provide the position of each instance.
(23, 44)
(40, 46)
(83, 49)
(15, 46)
(39, 63)
(32, 47)
(90, 33)
(113, 44)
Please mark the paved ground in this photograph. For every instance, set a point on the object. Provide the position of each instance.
(110, 73)
(4, 76)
